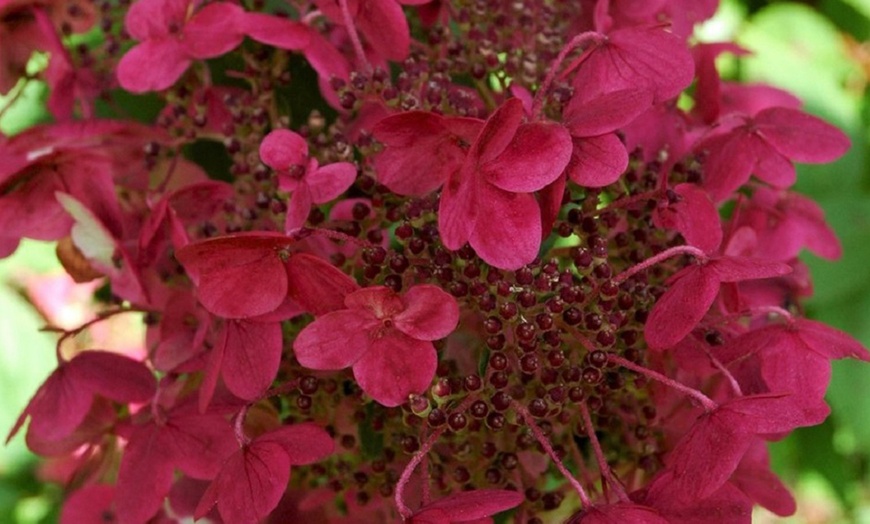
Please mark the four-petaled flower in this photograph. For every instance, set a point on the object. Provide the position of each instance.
(386, 337)
(287, 153)
(172, 34)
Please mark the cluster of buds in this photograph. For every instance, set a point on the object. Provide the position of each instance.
(444, 258)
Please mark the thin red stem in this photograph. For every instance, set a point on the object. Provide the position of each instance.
(606, 472)
(664, 255)
(575, 42)
(703, 399)
(354, 35)
(548, 448)
(403, 508)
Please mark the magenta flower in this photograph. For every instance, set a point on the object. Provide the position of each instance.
(172, 34)
(692, 290)
(709, 453)
(63, 400)
(246, 356)
(386, 338)
(488, 202)
(765, 145)
(248, 275)
(691, 212)
(179, 438)
(599, 156)
(287, 153)
(252, 480)
(633, 57)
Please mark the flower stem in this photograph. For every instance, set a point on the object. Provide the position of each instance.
(704, 400)
(664, 255)
(354, 35)
(606, 472)
(575, 42)
(545, 443)
(404, 510)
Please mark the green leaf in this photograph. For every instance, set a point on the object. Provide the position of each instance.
(797, 48)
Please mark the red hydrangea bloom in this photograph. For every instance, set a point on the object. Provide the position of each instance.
(386, 337)
(488, 202)
(252, 480)
(792, 358)
(709, 453)
(179, 438)
(786, 222)
(63, 400)
(172, 34)
(422, 150)
(599, 156)
(765, 145)
(287, 153)
(247, 356)
(633, 57)
(251, 274)
(692, 291)
(691, 212)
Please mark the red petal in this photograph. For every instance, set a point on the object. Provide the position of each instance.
(251, 357)
(534, 158)
(458, 210)
(250, 484)
(728, 164)
(90, 504)
(153, 65)
(330, 181)
(801, 137)
(380, 301)
(147, 19)
(281, 149)
(58, 406)
(147, 456)
(115, 376)
(498, 132)
(385, 27)
(298, 208)
(212, 372)
(430, 313)
(304, 443)
(829, 342)
(239, 275)
(507, 234)
(771, 166)
(637, 56)
(420, 152)
(213, 30)
(316, 285)
(275, 31)
(597, 161)
(677, 312)
(395, 366)
(694, 216)
(707, 455)
(469, 505)
(198, 444)
(738, 269)
(335, 340)
(620, 512)
(605, 113)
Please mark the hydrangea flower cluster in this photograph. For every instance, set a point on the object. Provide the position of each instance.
(462, 257)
